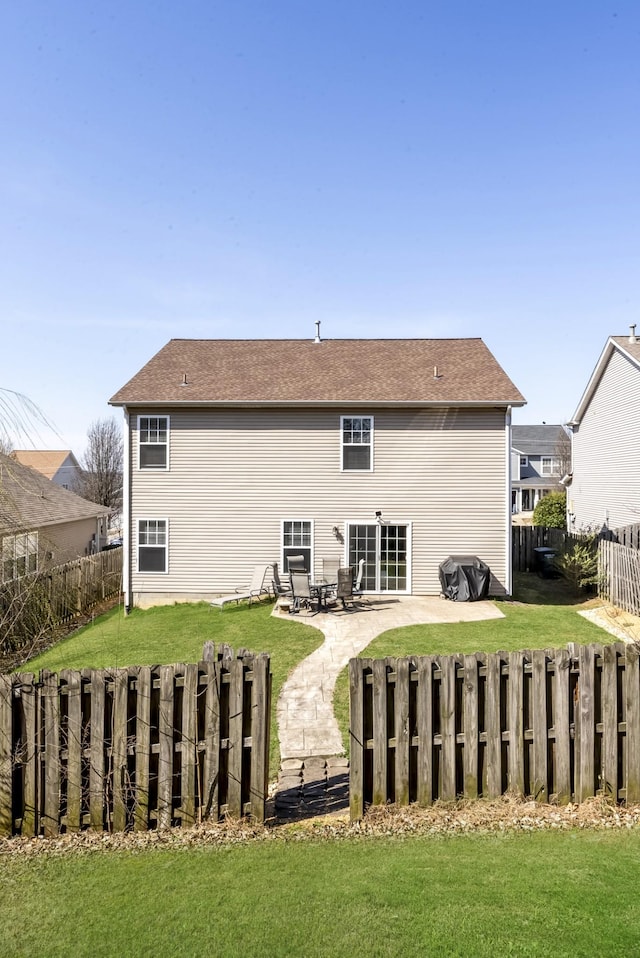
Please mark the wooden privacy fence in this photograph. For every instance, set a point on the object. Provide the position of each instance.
(135, 748)
(35, 603)
(619, 575)
(524, 539)
(556, 724)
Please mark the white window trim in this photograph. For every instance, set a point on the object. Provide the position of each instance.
(140, 519)
(524, 462)
(311, 546)
(342, 444)
(147, 469)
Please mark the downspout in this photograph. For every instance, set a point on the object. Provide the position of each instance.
(509, 549)
(126, 515)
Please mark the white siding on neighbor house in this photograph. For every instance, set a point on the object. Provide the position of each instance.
(606, 451)
(235, 475)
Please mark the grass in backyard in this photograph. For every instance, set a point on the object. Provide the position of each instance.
(543, 613)
(538, 894)
(176, 633)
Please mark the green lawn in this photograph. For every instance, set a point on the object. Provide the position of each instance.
(542, 614)
(176, 633)
(539, 894)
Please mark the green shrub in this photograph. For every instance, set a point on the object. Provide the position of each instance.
(551, 511)
(579, 562)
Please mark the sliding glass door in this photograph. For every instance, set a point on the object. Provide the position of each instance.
(385, 549)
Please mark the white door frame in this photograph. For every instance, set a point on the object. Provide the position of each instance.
(378, 526)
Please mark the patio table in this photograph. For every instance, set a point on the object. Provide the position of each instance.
(322, 589)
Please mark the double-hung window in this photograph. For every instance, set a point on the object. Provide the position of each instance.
(356, 435)
(297, 539)
(549, 466)
(153, 442)
(153, 542)
(19, 555)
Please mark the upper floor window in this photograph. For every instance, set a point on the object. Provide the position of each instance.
(357, 443)
(19, 555)
(549, 466)
(152, 545)
(524, 461)
(153, 442)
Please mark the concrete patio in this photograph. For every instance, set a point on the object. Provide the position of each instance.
(306, 723)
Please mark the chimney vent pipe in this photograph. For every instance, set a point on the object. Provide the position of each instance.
(632, 333)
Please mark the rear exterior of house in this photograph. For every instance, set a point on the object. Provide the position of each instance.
(255, 450)
(605, 489)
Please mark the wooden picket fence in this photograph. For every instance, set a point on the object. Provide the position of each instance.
(556, 725)
(41, 601)
(619, 575)
(135, 748)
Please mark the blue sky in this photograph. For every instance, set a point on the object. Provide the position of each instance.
(243, 169)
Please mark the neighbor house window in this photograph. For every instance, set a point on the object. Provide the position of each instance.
(153, 442)
(19, 555)
(357, 443)
(152, 545)
(549, 466)
(297, 536)
(524, 461)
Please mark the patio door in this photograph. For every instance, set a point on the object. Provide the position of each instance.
(385, 549)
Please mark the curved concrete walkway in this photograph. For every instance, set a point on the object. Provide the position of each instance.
(306, 724)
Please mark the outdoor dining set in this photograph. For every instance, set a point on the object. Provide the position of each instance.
(337, 586)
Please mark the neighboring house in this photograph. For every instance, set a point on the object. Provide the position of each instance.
(540, 459)
(605, 490)
(59, 465)
(42, 524)
(243, 452)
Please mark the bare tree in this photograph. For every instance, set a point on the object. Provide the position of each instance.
(102, 465)
(562, 452)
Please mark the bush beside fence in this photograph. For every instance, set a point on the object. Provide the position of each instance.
(557, 725)
(135, 748)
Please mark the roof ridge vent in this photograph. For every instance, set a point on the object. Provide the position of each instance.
(632, 333)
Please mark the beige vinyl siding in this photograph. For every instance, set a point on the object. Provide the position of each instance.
(606, 451)
(66, 541)
(235, 475)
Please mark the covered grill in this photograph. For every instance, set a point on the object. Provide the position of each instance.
(464, 578)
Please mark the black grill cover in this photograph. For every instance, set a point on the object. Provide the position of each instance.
(464, 578)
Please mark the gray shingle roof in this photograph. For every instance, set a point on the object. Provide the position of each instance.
(28, 500)
(408, 371)
(539, 440)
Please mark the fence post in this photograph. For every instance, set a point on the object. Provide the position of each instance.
(51, 755)
(357, 744)
(631, 692)
(585, 726)
(6, 757)
(260, 723)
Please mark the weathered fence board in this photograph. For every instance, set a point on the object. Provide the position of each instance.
(555, 724)
(134, 747)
